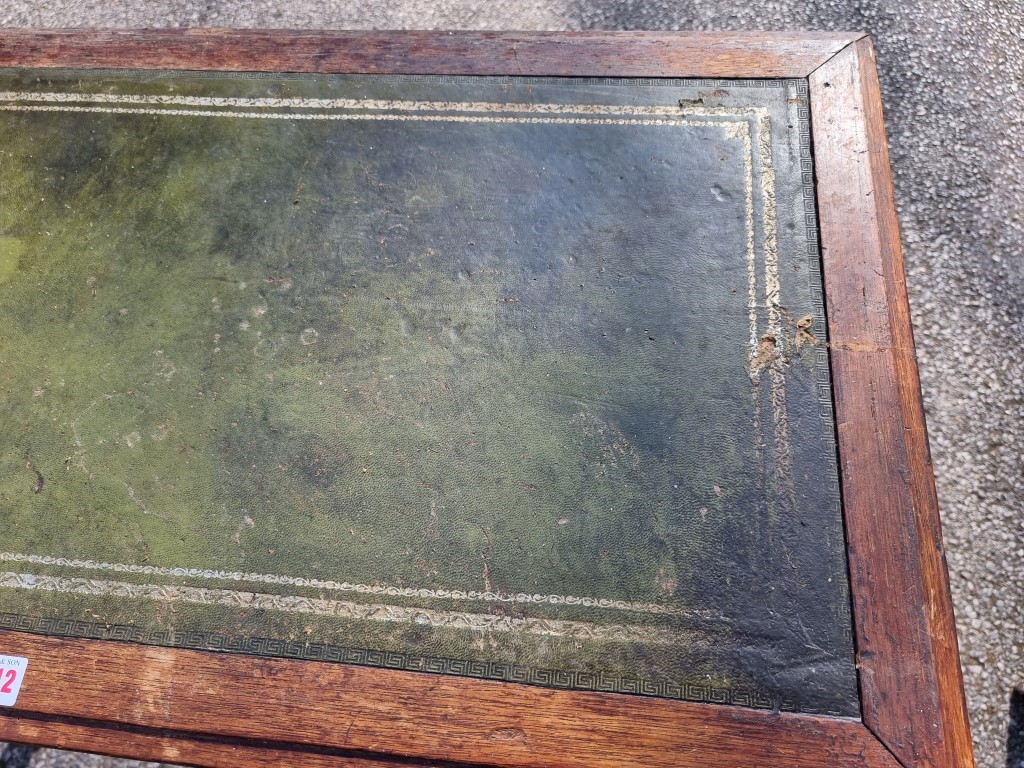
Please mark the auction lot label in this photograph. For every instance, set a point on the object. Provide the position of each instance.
(12, 672)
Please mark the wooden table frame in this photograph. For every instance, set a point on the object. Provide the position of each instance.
(219, 709)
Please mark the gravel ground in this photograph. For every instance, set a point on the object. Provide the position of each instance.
(953, 86)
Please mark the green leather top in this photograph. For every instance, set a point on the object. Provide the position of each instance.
(518, 379)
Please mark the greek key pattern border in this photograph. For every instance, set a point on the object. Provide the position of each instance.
(815, 280)
(633, 82)
(364, 657)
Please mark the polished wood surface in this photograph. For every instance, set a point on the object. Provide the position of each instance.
(590, 54)
(186, 749)
(357, 711)
(911, 685)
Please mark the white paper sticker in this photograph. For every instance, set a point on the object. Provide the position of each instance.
(12, 672)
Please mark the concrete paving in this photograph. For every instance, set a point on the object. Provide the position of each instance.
(953, 86)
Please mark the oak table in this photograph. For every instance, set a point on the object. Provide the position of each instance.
(519, 399)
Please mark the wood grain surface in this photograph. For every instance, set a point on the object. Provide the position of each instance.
(911, 685)
(186, 749)
(362, 710)
(591, 54)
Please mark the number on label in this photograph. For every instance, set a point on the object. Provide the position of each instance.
(10, 674)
